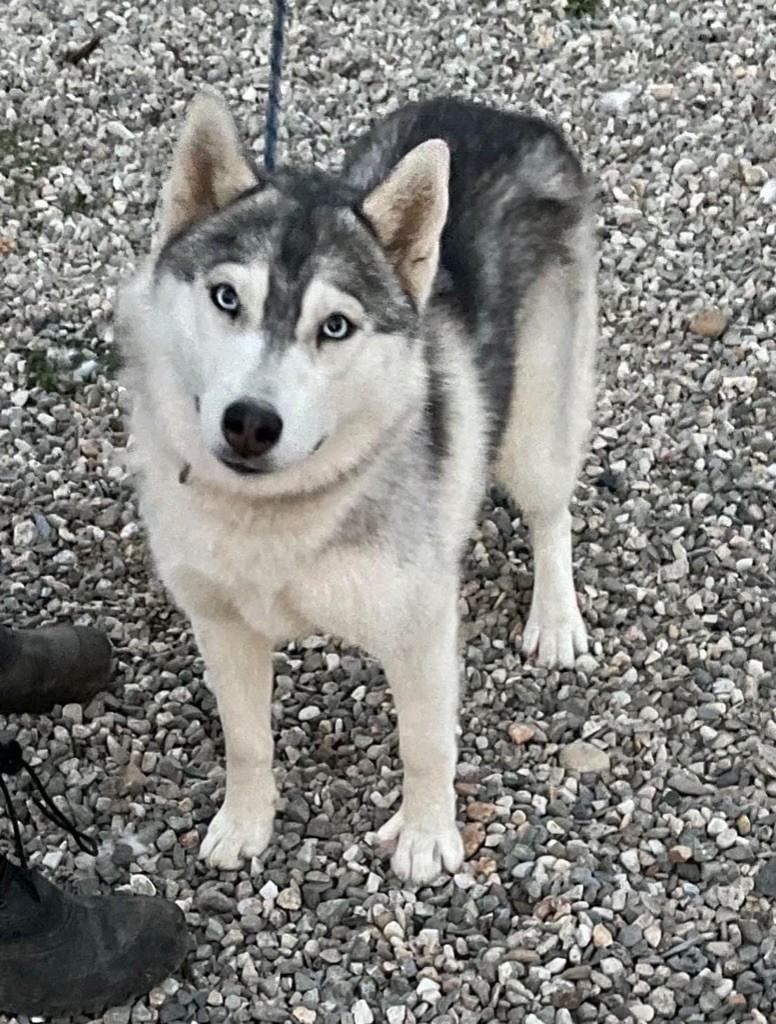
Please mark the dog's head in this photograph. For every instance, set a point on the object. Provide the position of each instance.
(275, 332)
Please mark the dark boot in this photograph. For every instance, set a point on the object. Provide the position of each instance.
(52, 665)
(63, 955)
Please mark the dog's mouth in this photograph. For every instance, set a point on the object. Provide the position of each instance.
(246, 467)
(242, 467)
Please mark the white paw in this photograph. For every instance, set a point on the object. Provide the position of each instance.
(231, 838)
(555, 637)
(422, 849)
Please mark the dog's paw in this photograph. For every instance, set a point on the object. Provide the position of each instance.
(422, 850)
(232, 838)
(555, 637)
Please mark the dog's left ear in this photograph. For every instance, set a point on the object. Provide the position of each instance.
(209, 167)
(408, 212)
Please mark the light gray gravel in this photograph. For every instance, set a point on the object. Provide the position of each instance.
(639, 890)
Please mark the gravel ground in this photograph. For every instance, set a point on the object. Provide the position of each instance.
(620, 818)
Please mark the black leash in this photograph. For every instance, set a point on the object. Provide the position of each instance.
(275, 76)
(12, 763)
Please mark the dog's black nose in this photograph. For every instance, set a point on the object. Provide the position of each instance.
(251, 429)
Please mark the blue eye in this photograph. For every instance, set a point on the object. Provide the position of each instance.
(225, 298)
(336, 328)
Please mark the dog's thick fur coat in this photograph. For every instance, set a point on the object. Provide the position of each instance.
(458, 245)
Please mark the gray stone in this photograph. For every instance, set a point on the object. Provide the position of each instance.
(765, 880)
(581, 756)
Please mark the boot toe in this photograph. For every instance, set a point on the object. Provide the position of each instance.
(95, 654)
(70, 955)
(150, 944)
(54, 665)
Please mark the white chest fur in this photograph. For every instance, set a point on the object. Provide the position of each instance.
(277, 567)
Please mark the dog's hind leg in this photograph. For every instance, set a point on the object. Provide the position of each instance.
(541, 450)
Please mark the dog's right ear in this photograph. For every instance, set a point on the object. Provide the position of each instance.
(209, 167)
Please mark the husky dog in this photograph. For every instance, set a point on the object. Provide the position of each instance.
(323, 371)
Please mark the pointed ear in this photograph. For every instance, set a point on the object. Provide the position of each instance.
(209, 166)
(408, 212)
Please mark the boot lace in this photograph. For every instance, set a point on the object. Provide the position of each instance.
(12, 763)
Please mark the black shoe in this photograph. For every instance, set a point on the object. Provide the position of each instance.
(60, 955)
(63, 955)
(52, 665)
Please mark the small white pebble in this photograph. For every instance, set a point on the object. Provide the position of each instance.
(361, 1012)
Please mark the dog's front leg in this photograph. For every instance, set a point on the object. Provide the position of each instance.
(422, 669)
(239, 666)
